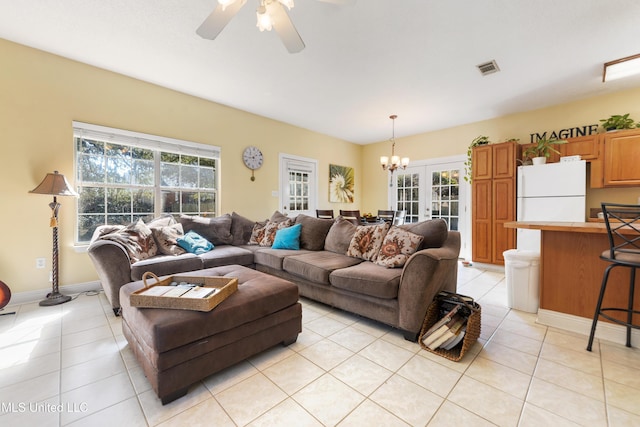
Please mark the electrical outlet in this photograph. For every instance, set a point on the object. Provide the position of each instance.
(41, 263)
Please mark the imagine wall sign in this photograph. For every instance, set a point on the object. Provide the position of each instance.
(566, 133)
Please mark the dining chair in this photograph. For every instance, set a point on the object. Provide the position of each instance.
(324, 213)
(623, 230)
(387, 216)
(353, 216)
(399, 217)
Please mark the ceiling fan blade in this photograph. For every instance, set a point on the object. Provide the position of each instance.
(285, 28)
(218, 19)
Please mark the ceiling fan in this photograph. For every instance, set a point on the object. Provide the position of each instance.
(270, 14)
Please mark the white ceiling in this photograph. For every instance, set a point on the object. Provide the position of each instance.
(362, 62)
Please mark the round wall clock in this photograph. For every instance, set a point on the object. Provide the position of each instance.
(252, 158)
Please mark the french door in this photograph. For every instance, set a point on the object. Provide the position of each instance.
(298, 185)
(435, 189)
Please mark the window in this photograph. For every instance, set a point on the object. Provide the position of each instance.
(124, 176)
(298, 185)
(408, 195)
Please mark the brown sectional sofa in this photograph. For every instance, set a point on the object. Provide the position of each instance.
(323, 272)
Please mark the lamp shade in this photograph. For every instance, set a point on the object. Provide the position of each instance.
(54, 184)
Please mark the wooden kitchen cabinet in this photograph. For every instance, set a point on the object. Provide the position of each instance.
(621, 158)
(493, 200)
(587, 147)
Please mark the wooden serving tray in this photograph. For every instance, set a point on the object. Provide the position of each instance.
(222, 287)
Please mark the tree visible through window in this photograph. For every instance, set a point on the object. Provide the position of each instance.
(119, 183)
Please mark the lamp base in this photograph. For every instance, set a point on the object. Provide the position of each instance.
(55, 298)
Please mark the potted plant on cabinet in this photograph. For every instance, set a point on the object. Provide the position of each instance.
(617, 122)
(541, 151)
(479, 140)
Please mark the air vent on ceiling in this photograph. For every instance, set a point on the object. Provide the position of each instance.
(488, 68)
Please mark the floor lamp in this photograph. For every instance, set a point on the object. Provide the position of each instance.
(54, 184)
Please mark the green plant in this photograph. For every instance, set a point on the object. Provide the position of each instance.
(618, 121)
(479, 140)
(543, 148)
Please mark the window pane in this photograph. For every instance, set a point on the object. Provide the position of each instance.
(189, 202)
(119, 219)
(170, 201)
(118, 200)
(87, 224)
(188, 177)
(169, 175)
(143, 172)
(91, 168)
(207, 178)
(91, 200)
(118, 170)
(143, 201)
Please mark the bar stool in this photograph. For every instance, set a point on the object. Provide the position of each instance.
(623, 230)
(324, 213)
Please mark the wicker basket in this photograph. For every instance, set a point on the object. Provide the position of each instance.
(472, 332)
(227, 286)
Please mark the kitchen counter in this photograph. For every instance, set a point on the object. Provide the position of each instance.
(571, 269)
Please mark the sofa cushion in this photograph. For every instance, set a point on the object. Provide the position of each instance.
(434, 232)
(274, 257)
(397, 247)
(288, 238)
(368, 278)
(226, 255)
(167, 239)
(162, 265)
(316, 266)
(339, 236)
(366, 241)
(241, 229)
(137, 239)
(216, 230)
(314, 232)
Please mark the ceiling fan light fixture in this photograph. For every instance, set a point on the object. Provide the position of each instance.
(264, 20)
(225, 3)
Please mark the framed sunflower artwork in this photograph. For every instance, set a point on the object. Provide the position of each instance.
(341, 184)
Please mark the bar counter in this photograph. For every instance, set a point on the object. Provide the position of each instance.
(571, 269)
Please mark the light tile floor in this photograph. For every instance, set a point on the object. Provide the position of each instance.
(70, 365)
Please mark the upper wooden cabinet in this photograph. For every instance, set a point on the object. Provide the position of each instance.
(482, 161)
(587, 147)
(621, 158)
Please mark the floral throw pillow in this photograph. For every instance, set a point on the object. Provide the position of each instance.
(271, 228)
(397, 247)
(257, 233)
(166, 238)
(366, 241)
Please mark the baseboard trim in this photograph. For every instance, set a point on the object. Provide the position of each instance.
(581, 325)
(37, 295)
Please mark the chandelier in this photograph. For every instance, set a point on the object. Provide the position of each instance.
(396, 161)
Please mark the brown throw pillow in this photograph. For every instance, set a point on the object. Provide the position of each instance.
(434, 232)
(241, 229)
(314, 232)
(367, 240)
(339, 236)
(166, 239)
(397, 247)
(216, 230)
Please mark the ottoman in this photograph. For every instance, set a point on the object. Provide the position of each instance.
(177, 348)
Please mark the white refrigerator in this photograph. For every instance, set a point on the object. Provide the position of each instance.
(549, 192)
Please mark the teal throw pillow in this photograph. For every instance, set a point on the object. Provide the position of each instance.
(287, 238)
(194, 243)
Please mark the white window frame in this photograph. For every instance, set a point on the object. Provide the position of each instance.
(147, 141)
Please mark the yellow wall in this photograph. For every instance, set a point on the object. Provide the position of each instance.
(454, 141)
(41, 94)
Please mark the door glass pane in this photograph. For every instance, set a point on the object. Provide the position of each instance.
(408, 195)
(445, 192)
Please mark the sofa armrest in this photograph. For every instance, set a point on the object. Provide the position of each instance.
(113, 266)
(426, 273)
